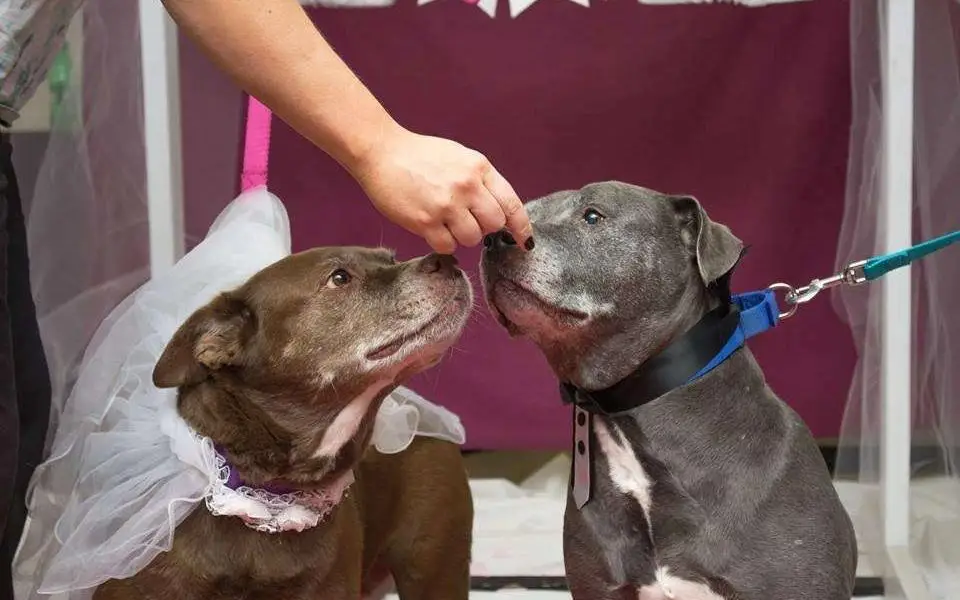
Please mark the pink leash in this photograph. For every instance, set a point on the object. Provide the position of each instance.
(256, 151)
(256, 146)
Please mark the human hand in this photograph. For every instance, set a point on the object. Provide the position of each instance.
(441, 191)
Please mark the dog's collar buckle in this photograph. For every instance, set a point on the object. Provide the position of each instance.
(581, 400)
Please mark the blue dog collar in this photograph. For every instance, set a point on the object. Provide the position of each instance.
(758, 313)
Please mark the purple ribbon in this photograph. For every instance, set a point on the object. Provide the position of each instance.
(234, 480)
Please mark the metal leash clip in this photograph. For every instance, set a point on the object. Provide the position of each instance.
(852, 274)
(862, 271)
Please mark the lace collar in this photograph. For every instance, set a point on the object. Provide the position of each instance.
(275, 507)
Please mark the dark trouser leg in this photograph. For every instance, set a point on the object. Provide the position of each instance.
(9, 413)
(25, 376)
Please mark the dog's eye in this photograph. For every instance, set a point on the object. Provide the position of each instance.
(592, 217)
(339, 278)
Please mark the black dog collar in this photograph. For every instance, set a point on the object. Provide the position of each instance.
(669, 369)
(675, 365)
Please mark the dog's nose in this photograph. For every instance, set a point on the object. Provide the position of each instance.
(438, 263)
(500, 239)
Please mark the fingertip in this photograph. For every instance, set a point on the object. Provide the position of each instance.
(516, 220)
(442, 242)
(523, 233)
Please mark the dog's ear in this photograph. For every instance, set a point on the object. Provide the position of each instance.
(212, 338)
(713, 245)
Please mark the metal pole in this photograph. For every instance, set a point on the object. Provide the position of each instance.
(161, 122)
(904, 577)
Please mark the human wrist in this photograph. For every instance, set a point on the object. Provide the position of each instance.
(366, 146)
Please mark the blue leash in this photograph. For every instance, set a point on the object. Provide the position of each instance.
(863, 271)
(759, 310)
(879, 266)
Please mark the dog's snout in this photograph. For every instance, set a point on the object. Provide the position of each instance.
(500, 239)
(438, 263)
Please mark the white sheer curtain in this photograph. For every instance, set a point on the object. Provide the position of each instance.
(935, 403)
(87, 220)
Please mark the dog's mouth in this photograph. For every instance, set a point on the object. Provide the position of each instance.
(512, 301)
(433, 330)
(390, 348)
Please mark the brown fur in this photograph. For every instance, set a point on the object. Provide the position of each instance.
(263, 371)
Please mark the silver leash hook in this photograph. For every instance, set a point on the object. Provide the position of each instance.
(808, 293)
(852, 274)
(789, 294)
(797, 296)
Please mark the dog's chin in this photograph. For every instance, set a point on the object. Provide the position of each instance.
(523, 312)
(421, 345)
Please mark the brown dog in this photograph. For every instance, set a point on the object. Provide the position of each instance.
(285, 375)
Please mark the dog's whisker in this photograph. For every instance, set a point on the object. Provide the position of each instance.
(457, 349)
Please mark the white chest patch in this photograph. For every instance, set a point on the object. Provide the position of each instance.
(668, 587)
(346, 423)
(629, 476)
(626, 472)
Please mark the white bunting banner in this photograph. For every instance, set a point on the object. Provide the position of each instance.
(487, 6)
(519, 6)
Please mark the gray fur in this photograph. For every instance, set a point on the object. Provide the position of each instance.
(741, 498)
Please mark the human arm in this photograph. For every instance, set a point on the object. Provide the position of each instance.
(436, 188)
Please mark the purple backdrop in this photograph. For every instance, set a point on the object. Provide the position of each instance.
(748, 109)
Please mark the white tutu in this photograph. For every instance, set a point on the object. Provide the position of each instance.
(124, 468)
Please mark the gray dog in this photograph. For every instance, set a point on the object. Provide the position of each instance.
(711, 490)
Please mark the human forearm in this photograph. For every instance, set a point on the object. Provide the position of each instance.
(436, 188)
(274, 52)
